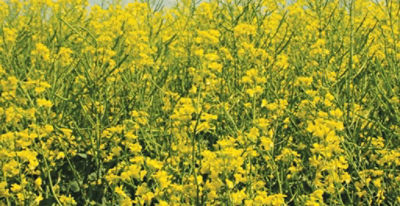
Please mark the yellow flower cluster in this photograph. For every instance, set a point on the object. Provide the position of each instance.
(224, 102)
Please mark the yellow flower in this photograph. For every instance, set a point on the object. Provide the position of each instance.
(120, 191)
(216, 67)
(229, 184)
(133, 171)
(306, 81)
(38, 182)
(162, 178)
(11, 168)
(244, 29)
(3, 191)
(44, 103)
(64, 55)
(163, 203)
(60, 155)
(38, 199)
(10, 35)
(253, 134)
(67, 200)
(238, 197)
(42, 51)
(267, 143)
(154, 164)
(16, 188)
(377, 183)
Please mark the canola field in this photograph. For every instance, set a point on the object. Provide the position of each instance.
(224, 102)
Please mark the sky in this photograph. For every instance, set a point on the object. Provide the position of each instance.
(166, 2)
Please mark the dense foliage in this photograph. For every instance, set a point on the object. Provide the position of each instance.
(236, 102)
